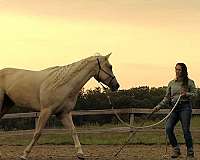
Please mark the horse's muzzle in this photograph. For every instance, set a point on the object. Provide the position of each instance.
(115, 87)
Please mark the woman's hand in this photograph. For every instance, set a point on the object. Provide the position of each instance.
(156, 108)
(183, 93)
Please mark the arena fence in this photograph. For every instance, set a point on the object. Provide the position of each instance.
(131, 112)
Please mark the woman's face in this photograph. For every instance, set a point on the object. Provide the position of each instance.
(178, 71)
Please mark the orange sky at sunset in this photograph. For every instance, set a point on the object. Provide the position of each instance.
(147, 37)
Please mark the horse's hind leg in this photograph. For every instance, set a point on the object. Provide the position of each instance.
(66, 119)
(2, 93)
(5, 103)
(1, 107)
(44, 116)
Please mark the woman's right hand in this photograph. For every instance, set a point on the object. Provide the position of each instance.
(156, 108)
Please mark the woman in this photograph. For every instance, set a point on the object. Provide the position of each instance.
(185, 87)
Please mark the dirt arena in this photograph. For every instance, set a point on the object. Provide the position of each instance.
(93, 152)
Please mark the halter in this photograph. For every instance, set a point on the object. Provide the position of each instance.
(101, 69)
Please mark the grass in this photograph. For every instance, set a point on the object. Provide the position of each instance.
(101, 139)
(105, 138)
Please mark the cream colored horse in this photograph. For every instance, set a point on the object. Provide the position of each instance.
(52, 91)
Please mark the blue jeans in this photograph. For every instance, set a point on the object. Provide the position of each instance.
(184, 114)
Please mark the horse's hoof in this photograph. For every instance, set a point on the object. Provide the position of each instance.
(80, 156)
(23, 158)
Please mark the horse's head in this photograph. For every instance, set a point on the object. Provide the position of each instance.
(105, 73)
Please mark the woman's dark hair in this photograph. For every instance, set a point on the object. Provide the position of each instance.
(184, 74)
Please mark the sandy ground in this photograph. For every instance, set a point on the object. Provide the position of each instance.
(93, 152)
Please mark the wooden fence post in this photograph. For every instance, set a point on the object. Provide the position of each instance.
(36, 119)
(132, 116)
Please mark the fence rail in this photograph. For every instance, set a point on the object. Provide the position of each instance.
(130, 111)
(97, 112)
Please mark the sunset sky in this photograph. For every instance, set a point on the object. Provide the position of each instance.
(147, 37)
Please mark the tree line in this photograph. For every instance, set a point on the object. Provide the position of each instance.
(138, 97)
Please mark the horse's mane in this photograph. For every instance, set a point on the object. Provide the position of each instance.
(62, 74)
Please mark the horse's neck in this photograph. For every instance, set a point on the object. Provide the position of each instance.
(74, 75)
(84, 75)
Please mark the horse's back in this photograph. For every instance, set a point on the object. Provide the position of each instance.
(9, 76)
(22, 86)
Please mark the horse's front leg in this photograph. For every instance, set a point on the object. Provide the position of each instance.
(66, 119)
(44, 116)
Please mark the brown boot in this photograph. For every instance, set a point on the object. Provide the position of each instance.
(190, 155)
(175, 153)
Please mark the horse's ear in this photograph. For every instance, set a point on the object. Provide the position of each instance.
(107, 56)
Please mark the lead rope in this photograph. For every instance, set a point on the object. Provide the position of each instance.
(165, 156)
(148, 126)
(132, 133)
(141, 126)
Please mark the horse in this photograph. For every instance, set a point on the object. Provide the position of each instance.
(53, 91)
